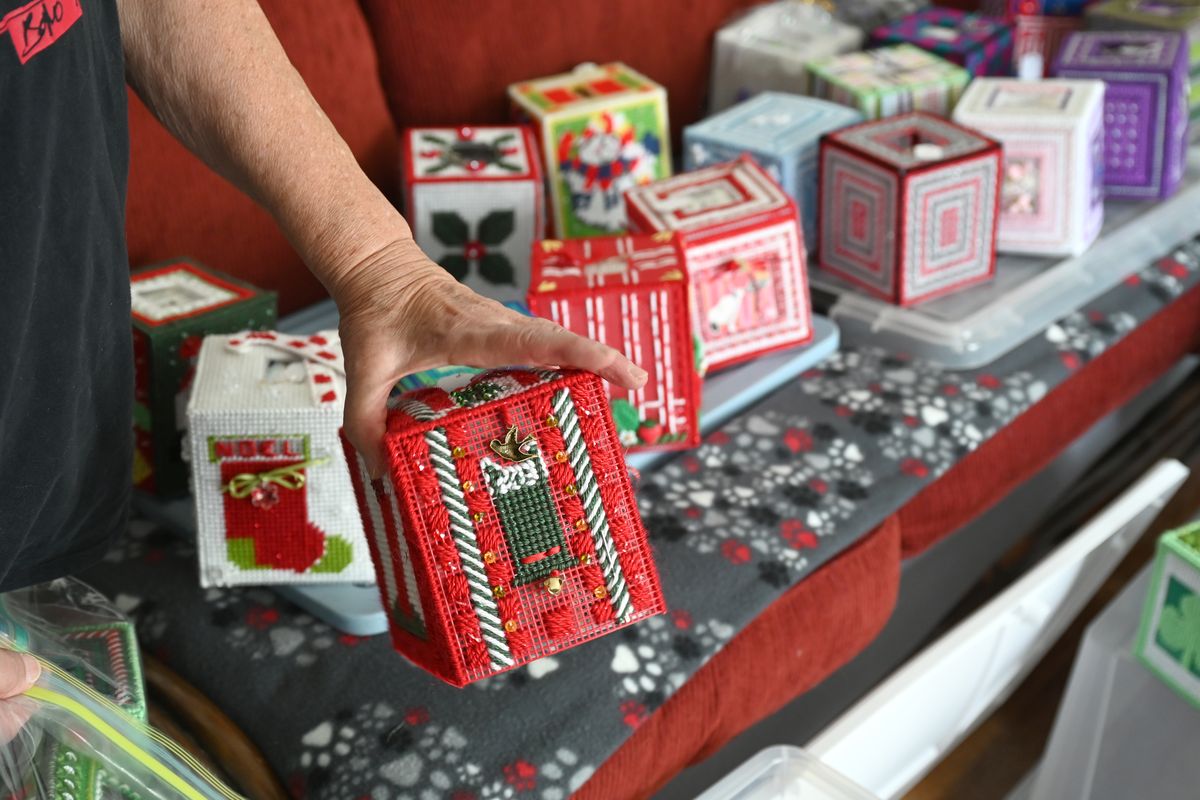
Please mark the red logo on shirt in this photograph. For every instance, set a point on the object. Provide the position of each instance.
(35, 26)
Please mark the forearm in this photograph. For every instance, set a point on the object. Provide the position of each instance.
(214, 73)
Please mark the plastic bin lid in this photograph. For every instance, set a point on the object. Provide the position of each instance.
(785, 773)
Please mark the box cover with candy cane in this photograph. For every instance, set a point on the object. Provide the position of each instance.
(1145, 76)
(909, 206)
(1052, 189)
(602, 130)
(745, 257)
(979, 44)
(631, 293)
(174, 306)
(505, 528)
(274, 502)
(474, 201)
(889, 81)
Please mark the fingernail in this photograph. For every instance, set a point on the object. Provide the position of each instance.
(639, 375)
(33, 668)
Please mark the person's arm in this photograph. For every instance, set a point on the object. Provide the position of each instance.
(213, 72)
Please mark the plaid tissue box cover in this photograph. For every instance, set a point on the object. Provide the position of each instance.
(505, 528)
(980, 45)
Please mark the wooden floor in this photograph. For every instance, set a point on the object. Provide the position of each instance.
(997, 756)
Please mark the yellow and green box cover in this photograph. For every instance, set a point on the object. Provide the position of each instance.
(602, 130)
(1168, 640)
(175, 305)
(889, 81)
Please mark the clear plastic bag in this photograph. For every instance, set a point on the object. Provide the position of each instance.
(80, 733)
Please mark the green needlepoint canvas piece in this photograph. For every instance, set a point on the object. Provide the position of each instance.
(1168, 640)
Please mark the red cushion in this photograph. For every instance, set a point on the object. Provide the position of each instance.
(178, 207)
(816, 627)
(1021, 449)
(450, 62)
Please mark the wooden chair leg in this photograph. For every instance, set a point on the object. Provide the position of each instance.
(215, 732)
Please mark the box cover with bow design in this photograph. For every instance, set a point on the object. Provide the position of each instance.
(505, 528)
(274, 501)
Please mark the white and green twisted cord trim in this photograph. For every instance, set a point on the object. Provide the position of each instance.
(463, 532)
(593, 507)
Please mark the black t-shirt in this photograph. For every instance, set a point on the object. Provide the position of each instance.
(66, 383)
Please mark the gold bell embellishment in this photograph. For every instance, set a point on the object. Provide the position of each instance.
(553, 585)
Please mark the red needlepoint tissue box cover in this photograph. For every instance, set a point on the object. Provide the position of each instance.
(474, 200)
(505, 528)
(631, 293)
(744, 253)
(909, 206)
(274, 499)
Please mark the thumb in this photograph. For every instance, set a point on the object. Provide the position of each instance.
(18, 672)
(365, 418)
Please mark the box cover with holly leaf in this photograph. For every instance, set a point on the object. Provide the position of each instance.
(631, 293)
(474, 201)
(505, 528)
(175, 305)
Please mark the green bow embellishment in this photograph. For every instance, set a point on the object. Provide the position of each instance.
(290, 477)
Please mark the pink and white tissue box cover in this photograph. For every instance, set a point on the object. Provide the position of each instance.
(1052, 189)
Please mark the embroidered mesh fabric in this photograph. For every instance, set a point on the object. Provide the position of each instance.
(484, 611)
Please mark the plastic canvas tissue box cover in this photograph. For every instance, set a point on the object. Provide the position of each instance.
(505, 528)
(274, 499)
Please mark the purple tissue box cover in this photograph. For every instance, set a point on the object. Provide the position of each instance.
(1145, 105)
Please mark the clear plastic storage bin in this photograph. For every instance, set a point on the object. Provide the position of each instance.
(976, 326)
(1121, 732)
(785, 773)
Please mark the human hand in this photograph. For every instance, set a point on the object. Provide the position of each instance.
(18, 672)
(401, 313)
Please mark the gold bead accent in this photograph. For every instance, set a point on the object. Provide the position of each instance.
(585, 559)
(554, 585)
(489, 557)
(468, 486)
(499, 592)
(552, 421)
(560, 456)
(570, 490)
(581, 524)
(510, 626)
(477, 516)
(458, 452)
(600, 592)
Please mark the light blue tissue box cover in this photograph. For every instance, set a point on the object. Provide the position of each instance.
(779, 131)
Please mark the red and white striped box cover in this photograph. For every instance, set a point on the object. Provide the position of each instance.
(631, 293)
(744, 251)
(505, 528)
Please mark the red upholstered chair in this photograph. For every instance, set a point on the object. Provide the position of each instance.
(178, 207)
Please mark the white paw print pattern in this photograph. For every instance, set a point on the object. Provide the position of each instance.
(257, 622)
(658, 655)
(1081, 336)
(787, 482)
(383, 753)
(920, 415)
